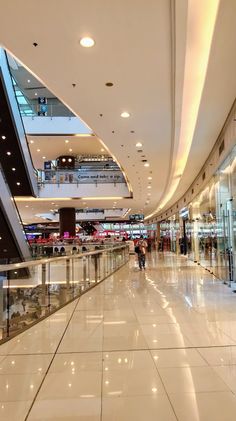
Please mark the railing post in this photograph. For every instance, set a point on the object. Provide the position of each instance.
(68, 273)
(96, 267)
(88, 268)
(8, 304)
(43, 284)
(48, 287)
(73, 276)
(84, 260)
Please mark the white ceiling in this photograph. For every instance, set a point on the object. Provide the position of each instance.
(51, 147)
(141, 47)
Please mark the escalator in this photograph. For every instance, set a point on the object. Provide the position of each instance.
(17, 173)
(13, 245)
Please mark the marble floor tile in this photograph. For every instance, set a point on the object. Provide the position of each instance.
(14, 411)
(25, 364)
(167, 340)
(219, 355)
(66, 410)
(82, 338)
(19, 387)
(177, 358)
(228, 375)
(123, 336)
(191, 379)
(217, 406)
(130, 373)
(138, 408)
(63, 363)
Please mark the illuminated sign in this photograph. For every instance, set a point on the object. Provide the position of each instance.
(136, 217)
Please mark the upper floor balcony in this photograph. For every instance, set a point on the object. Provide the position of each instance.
(84, 181)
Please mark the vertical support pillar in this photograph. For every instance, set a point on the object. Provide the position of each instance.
(67, 222)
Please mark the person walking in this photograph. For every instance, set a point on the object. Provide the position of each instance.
(142, 246)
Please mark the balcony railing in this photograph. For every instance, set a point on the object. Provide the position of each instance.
(31, 291)
(80, 176)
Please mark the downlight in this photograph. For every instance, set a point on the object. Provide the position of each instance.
(125, 114)
(87, 42)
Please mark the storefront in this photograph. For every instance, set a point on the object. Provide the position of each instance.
(209, 225)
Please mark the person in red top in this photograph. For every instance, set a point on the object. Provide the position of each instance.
(142, 246)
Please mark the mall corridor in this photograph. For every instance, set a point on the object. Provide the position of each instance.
(153, 345)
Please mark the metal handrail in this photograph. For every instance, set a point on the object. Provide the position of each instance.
(31, 263)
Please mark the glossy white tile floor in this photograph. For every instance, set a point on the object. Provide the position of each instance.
(153, 345)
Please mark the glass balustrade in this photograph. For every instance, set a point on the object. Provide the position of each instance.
(79, 176)
(30, 291)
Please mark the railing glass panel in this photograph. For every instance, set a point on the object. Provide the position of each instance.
(30, 291)
(80, 176)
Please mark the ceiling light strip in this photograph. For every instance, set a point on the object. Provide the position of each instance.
(201, 22)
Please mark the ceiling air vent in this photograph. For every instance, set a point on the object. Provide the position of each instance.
(144, 160)
(203, 176)
(222, 146)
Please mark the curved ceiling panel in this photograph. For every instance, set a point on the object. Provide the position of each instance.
(147, 52)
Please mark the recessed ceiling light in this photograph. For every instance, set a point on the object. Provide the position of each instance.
(102, 150)
(18, 183)
(149, 178)
(149, 187)
(31, 141)
(146, 164)
(125, 114)
(35, 94)
(3, 137)
(66, 141)
(8, 153)
(13, 169)
(38, 150)
(138, 145)
(44, 157)
(70, 150)
(26, 206)
(87, 42)
(28, 80)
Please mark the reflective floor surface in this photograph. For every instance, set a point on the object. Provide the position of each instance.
(150, 345)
